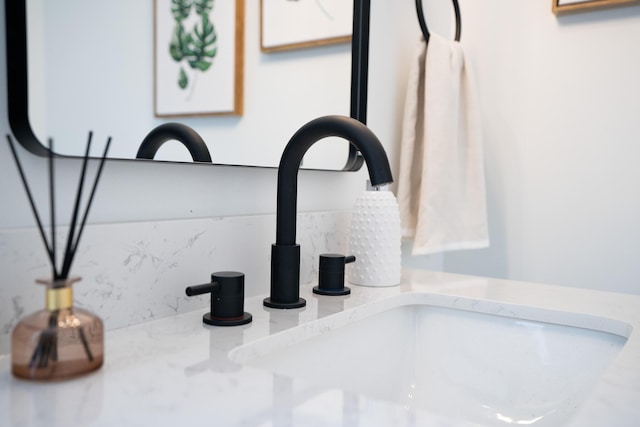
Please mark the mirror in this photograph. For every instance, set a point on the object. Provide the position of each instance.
(80, 65)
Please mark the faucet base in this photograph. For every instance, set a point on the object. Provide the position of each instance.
(331, 292)
(285, 277)
(272, 304)
(236, 321)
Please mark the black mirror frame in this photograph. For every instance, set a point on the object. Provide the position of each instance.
(17, 81)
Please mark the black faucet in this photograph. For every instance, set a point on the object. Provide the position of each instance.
(285, 253)
(169, 131)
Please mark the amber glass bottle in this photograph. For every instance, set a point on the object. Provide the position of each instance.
(58, 342)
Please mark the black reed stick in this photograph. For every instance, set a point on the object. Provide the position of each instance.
(74, 217)
(47, 348)
(52, 204)
(85, 344)
(30, 197)
(69, 257)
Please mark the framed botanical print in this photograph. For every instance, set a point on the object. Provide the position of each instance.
(198, 57)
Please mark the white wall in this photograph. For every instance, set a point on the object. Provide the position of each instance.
(559, 97)
(560, 101)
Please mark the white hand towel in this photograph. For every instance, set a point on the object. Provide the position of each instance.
(441, 185)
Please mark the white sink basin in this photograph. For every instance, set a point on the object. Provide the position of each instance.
(470, 367)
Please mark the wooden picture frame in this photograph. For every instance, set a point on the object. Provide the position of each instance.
(198, 58)
(561, 7)
(298, 24)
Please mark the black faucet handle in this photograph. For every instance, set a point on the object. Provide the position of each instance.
(227, 299)
(206, 288)
(331, 274)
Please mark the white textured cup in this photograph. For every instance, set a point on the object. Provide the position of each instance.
(375, 240)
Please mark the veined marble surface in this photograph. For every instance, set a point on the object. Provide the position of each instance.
(177, 371)
(134, 272)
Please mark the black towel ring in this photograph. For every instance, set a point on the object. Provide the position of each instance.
(423, 23)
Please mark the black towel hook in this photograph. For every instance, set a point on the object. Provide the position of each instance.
(423, 23)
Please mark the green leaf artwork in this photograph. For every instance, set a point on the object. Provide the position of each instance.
(183, 80)
(196, 48)
(180, 9)
(179, 45)
(202, 45)
(203, 7)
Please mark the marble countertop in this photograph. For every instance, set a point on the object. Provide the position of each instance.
(177, 371)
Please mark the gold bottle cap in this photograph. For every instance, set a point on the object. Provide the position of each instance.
(59, 298)
(59, 293)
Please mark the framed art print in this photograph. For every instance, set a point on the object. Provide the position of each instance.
(198, 57)
(568, 6)
(296, 24)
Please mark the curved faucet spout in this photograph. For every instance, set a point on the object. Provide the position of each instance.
(285, 253)
(359, 135)
(169, 131)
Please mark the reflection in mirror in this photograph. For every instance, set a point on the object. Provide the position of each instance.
(90, 67)
(166, 132)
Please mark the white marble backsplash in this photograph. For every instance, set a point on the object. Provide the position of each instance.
(132, 272)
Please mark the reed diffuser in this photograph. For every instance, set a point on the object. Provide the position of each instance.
(60, 341)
